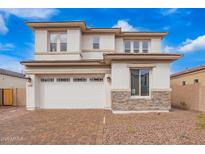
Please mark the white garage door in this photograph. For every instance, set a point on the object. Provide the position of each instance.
(72, 92)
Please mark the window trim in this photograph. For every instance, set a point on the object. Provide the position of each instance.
(134, 46)
(147, 46)
(140, 96)
(96, 42)
(140, 45)
(58, 42)
(130, 46)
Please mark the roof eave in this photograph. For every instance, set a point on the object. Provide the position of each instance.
(153, 57)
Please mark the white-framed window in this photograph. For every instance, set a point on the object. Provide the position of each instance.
(79, 79)
(96, 42)
(140, 84)
(53, 42)
(127, 46)
(96, 79)
(47, 79)
(63, 41)
(63, 79)
(136, 46)
(145, 46)
(58, 41)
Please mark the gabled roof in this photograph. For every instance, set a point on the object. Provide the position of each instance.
(82, 25)
(11, 73)
(188, 71)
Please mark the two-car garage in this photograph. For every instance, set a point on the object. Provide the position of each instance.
(79, 91)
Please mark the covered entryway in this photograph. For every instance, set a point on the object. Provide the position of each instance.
(79, 91)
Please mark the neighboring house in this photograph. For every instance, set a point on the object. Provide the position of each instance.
(12, 88)
(188, 87)
(105, 68)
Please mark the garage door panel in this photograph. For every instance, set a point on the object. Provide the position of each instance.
(72, 95)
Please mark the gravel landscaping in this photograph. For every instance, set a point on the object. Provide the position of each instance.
(175, 127)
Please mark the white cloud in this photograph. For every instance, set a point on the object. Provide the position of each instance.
(188, 45)
(38, 13)
(175, 11)
(193, 45)
(125, 26)
(10, 63)
(166, 12)
(3, 27)
(7, 46)
(168, 49)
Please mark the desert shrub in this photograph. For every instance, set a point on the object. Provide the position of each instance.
(182, 105)
(131, 130)
(201, 121)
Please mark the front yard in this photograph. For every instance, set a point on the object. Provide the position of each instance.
(19, 126)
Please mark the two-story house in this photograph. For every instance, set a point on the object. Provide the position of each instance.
(76, 67)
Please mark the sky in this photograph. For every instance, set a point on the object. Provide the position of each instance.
(185, 27)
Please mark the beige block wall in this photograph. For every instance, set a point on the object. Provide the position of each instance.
(11, 82)
(193, 95)
(1, 97)
(189, 78)
(202, 98)
(19, 97)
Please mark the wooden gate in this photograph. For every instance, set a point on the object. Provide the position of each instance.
(7, 97)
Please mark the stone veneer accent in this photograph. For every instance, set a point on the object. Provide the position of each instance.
(122, 101)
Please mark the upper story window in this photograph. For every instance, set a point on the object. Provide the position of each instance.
(63, 42)
(127, 46)
(53, 42)
(145, 46)
(58, 41)
(96, 43)
(136, 46)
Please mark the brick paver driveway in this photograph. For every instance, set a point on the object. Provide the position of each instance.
(19, 126)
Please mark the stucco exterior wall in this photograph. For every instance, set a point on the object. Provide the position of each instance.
(119, 45)
(11, 82)
(107, 42)
(155, 45)
(67, 56)
(41, 41)
(92, 55)
(189, 78)
(159, 76)
(120, 76)
(74, 40)
(32, 92)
